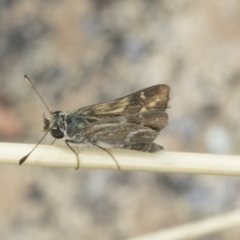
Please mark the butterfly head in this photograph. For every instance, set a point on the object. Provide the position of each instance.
(56, 124)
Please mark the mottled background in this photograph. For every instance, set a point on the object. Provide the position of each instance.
(83, 52)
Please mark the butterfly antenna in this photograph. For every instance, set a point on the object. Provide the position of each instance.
(31, 83)
(22, 160)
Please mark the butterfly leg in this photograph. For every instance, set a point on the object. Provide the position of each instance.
(67, 141)
(94, 143)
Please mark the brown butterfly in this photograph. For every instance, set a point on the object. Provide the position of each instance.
(131, 122)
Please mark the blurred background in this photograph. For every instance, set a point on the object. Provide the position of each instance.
(83, 52)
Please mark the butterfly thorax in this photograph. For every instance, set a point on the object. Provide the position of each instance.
(75, 122)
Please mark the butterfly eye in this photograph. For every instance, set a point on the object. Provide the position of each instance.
(57, 133)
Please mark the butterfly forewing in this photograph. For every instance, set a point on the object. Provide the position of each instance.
(154, 98)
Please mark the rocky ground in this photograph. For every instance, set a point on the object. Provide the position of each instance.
(83, 52)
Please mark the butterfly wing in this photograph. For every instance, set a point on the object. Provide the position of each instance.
(132, 132)
(154, 98)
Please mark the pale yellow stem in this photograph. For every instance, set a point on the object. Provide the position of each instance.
(172, 162)
(196, 229)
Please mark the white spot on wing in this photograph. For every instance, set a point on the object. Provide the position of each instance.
(142, 96)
